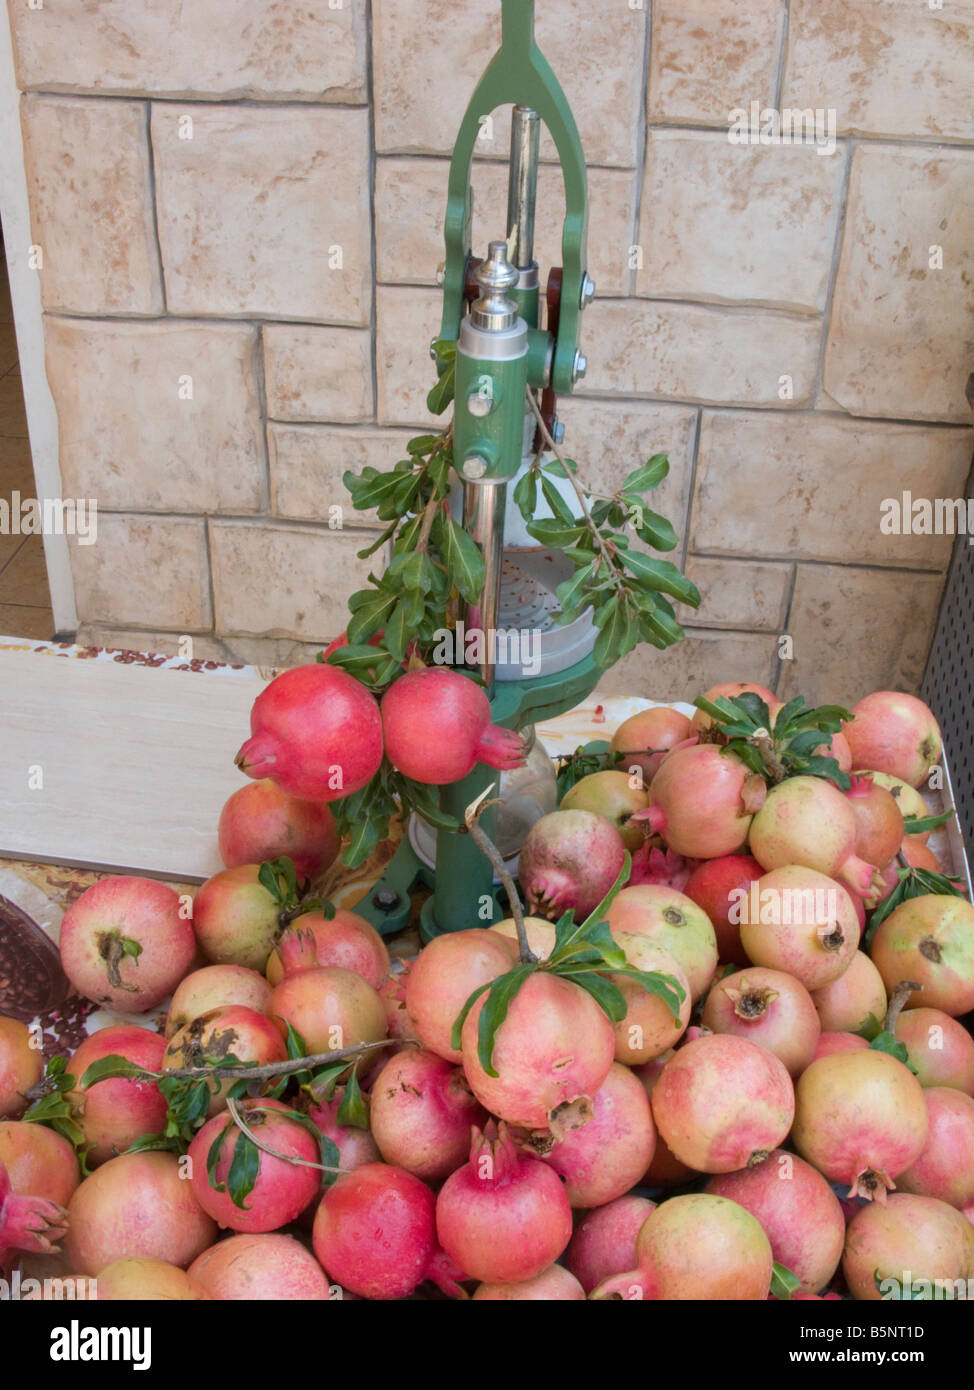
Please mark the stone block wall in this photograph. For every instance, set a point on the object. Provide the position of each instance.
(240, 211)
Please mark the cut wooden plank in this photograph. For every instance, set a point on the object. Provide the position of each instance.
(106, 765)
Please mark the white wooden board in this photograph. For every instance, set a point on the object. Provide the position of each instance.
(135, 762)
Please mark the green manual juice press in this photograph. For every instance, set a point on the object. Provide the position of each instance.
(533, 668)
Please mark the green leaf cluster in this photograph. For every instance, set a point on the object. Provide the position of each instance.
(743, 724)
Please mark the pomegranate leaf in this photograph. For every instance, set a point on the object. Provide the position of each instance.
(330, 1158)
(756, 708)
(607, 995)
(113, 1066)
(870, 1028)
(322, 1085)
(500, 992)
(442, 393)
(663, 576)
(244, 1170)
(461, 556)
(648, 476)
(920, 825)
(156, 1143)
(461, 1018)
(279, 878)
(783, 1282)
(559, 507)
(889, 1042)
(666, 987)
(526, 494)
(352, 1110)
(747, 754)
(54, 1109)
(826, 768)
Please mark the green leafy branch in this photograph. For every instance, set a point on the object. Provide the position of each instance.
(570, 768)
(279, 878)
(921, 825)
(628, 590)
(912, 883)
(788, 749)
(582, 953)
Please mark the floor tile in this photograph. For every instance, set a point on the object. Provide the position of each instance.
(20, 621)
(23, 581)
(13, 420)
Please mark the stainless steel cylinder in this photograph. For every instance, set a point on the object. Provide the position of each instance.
(522, 185)
(483, 519)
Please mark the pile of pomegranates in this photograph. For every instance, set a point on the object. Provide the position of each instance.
(727, 1056)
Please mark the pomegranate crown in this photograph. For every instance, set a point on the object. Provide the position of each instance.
(298, 949)
(493, 1153)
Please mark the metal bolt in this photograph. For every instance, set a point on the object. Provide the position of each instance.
(441, 273)
(479, 404)
(474, 467)
(558, 431)
(580, 367)
(385, 899)
(432, 348)
(588, 291)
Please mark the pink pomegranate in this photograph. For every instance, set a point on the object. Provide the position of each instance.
(568, 863)
(895, 733)
(649, 1027)
(920, 856)
(666, 1170)
(356, 1147)
(798, 1211)
(847, 1004)
(941, 1049)
(316, 732)
(829, 1043)
(375, 1235)
(945, 1169)
(142, 1280)
(234, 1031)
(260, 1268)
(723, 1103)
(39, 1161)
(21, 1066)
(551, 1054)
(608, 1156)
(919, 1238)
(769, 1008)
(422, 1114)
(137, 1206)
(282, 1188)
(611, 794)
(347, 940)
(115, 1112)
(930, 940)
(235, 919)
(444, 976)
(552, 1285)
(698, 1247)
(260, 821)
(802, 922)
(879, 821)
(332, 1009)
(807, 821)
(604, 1243)
(702, 723)
(215, 987)
(127, 942)
(837, 747)
(645, 738)
(503, 1217)
(716, 886)
(28, 1222)
(675, 923)
(860, 1117)
(702, 802)
(436, 725)
(653, 865)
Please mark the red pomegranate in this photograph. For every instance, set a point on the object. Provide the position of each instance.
(569, 861)
(140, 1280)
(917, 1238)
(879, 821)
(673, 921)
(115, 1112)
(233, 1031)
(645, 738)
(215, 987)
(422, 1114)
(260, 821)
(436, 725)
(29, 1222)
(604, 1243)
(807, 821)
(39, 1161)
(21, 1066)
(930, 940)
(443, 977)
(347, 940)
(941, 1050)
(281, 1188)
(716, 885)
(702, 723)
(944, 1168)
(316, 732)
(702, 802)
(268, 1267)
(802, 922)
(769, 1008)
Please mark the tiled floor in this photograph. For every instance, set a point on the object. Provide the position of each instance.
(25, 602)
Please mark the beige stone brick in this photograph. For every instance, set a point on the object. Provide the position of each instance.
(742, 594)
(90, 192)
(406, 320)
(312, 51)
(901, 328)
(313, 373)
(410, 203)
(307, 464)
(189, 646)
(723, 222)
(129, 435)
(693, 353)
(708, 56)
(145, 572)
(902, 67)
(811, 487)
(609, 440)
(265, 211)
(857, 630)
(284, 581)
(700, 660)
(428, 59)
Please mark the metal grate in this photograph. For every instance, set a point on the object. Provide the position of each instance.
(948, 685)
